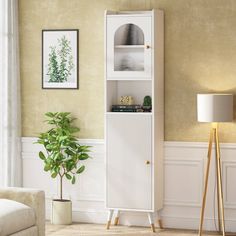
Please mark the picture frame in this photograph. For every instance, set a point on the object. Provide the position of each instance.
(60, 61)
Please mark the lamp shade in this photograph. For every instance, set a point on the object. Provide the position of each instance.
(215, 107)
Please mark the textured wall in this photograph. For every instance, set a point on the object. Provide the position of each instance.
(200, 56)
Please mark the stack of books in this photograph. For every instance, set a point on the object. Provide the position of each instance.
(126, 108)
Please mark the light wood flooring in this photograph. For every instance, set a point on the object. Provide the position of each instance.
(81, 229)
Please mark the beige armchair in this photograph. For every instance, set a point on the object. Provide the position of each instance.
(22, 212)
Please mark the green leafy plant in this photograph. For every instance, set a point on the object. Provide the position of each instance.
(60, 63)
(63, 153)
(147, 101)
(53, 70)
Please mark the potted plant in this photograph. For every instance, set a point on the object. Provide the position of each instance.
(147, 104)
(63, 159)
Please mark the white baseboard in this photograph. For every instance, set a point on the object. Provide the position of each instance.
(184, 164)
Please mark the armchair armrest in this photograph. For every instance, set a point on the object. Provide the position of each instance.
(30, 197)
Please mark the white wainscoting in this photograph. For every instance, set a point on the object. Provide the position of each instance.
(184, 164)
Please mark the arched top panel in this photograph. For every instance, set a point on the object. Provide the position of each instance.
(129, 34)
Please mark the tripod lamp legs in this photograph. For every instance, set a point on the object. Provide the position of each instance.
(221, 220)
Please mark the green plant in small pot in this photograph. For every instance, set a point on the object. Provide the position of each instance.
(147, 104)
(63, 158)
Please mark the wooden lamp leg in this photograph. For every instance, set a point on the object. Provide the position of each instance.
(110, 214)
(218, 193)
(212, 134)
(219, 181)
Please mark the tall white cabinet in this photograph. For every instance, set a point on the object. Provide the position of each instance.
(134, 140)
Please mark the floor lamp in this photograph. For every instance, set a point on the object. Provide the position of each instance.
(214, 108)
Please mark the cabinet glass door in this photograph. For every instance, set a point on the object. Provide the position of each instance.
(129, 47)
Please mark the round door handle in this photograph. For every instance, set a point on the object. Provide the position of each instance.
(147, 46)
(147, 162)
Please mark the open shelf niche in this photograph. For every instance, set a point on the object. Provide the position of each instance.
(137, 89)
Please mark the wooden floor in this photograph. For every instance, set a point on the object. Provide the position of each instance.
(99, 230)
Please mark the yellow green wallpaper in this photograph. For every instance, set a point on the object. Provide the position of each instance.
(200, 56)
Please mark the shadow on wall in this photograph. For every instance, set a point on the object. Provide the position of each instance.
(187, 94)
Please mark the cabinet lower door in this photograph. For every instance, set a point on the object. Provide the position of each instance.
(129, 164)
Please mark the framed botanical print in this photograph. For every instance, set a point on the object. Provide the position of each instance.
(60, 63)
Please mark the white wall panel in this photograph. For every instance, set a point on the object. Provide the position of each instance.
(178, 189)
(229, 183)
(184, 164)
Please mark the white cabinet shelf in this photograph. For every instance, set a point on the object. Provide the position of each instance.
(129, 46)
(134, 140)
(128, 79)
(130, 113)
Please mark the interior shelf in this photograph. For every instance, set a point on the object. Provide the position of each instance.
(130, 113)
(129, 46)
(130, 79)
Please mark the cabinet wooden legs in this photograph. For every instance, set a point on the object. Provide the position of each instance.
(151, 221)
(117, 216)
(159, 221)
(110, 214)
(160, 224)
(109, 219)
